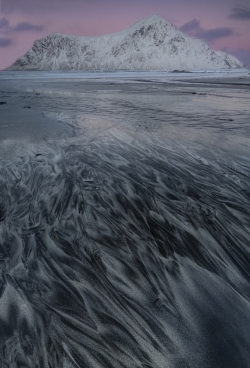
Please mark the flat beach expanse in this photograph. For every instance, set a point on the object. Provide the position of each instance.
(125, 220)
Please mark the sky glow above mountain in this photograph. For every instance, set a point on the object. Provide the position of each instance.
(225, 25)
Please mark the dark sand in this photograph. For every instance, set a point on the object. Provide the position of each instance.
(124, 222)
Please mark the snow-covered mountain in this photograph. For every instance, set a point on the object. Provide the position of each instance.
(150, 44)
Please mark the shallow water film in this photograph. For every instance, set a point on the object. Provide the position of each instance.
(124, 221)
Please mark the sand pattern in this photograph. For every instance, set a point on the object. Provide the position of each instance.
(124, 234)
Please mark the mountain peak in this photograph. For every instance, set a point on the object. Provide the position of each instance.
(149, 20)
(152, 18)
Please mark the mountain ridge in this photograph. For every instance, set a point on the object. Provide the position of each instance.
(150, 44)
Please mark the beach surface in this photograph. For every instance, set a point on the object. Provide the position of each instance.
(124, 220)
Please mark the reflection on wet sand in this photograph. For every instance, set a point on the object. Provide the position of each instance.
(124, 239)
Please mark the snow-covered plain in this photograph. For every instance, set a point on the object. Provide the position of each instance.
(124, 220)
(150, 44)
(126, 75)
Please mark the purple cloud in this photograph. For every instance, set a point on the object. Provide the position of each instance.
(4, 42)
(4, 23)
(20, 27)
(26, 26)
(194, 29)
(190, 26)
(240, 12)
(210, 35)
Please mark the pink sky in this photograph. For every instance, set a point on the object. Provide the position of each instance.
(221, 24)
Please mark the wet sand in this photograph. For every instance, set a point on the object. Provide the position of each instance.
(124, 221)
